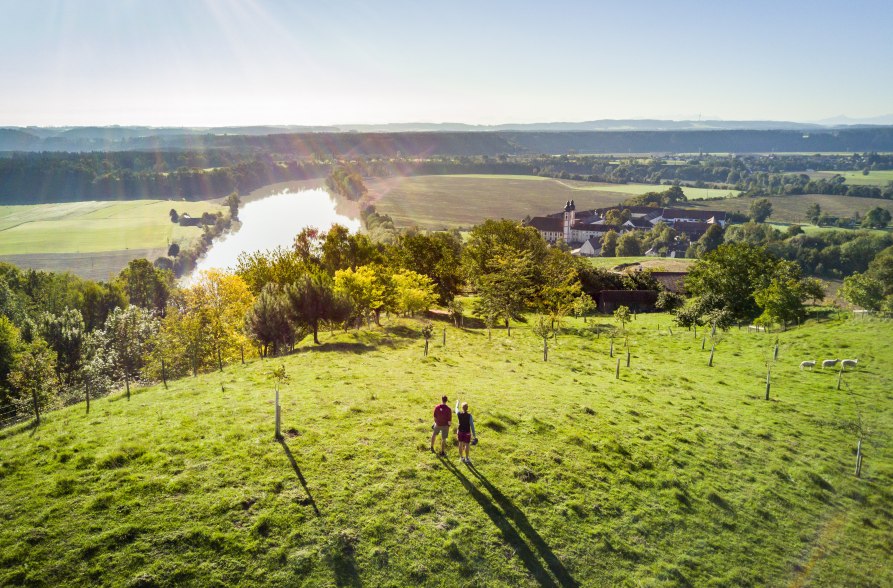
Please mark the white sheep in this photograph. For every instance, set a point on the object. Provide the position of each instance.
(849, 363)
(807, 364)
(829, 363)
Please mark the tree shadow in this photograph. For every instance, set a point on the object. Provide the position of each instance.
(297, 470)
(503, 513)
(340, 346)
(19, 428)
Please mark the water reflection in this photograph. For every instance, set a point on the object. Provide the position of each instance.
(274, 221)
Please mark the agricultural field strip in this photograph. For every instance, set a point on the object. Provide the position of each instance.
(93, 226)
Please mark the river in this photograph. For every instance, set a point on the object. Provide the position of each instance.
(274, 221)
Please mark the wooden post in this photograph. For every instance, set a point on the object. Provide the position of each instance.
(617, 371)
(87, 392)
(703, 343)
(710, 363)
(768, 373)
(775, 354)
(163, 375)
(696, 330)
(611, 351)
(278, 415)
(627, 357)
(426, 348)
(36, 407)
(670, 329)
(126, 385)
(545, 350)
(839, 376)
(444, 336)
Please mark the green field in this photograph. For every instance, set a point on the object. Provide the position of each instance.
(792, 209)
(92, 238)
(675, 474)
(857, 178)
(450, 201)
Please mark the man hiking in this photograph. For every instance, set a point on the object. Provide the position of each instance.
(443, 416)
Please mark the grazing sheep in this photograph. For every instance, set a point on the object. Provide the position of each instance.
(829, 363)
(807, 364)
(849, 363)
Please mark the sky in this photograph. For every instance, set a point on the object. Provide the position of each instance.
(244, 62)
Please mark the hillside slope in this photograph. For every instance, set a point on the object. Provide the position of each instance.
(676, 474)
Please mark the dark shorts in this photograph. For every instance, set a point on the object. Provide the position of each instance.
(464, 437)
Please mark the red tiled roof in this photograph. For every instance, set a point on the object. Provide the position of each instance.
(545, 223)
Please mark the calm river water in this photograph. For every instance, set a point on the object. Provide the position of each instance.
(274, 221)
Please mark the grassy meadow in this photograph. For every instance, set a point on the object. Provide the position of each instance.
(95, 226)
(857, 178)
(93, 239)
(792, 209)
(675, 474)
(658, 264)
(450, 201)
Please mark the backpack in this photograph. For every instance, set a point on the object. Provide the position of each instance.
(441, 415)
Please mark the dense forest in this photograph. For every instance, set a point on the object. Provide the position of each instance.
(57, 177)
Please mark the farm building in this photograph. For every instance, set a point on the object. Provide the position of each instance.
(189, 221)
(637, 300)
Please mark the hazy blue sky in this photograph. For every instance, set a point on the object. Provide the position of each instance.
(222, 62)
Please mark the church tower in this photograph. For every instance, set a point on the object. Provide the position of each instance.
(569, 219)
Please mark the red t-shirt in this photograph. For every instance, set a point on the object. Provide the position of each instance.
(443, 415)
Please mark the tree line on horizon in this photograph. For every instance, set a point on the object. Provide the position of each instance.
(30, 178)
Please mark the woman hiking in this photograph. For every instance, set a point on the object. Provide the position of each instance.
(466, 431)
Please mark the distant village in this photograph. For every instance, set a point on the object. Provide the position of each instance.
(583, 231)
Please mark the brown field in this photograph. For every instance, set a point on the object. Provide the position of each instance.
(96, 265)
(445, 202)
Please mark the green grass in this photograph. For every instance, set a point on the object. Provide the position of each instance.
(448, 201)
(675, 474)
(857, 178)
(86, 227)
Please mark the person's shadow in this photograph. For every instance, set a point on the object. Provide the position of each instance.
(504, 513)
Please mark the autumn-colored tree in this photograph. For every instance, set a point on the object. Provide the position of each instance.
(412, 292)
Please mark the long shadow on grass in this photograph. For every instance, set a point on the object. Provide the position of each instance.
(503, 513)
(349, 347)
(297, 470)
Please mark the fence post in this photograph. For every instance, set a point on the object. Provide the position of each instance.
(627, 357)
(163, 379)
(426, 347)
(87, 392)
(545, 350)
(611, 351)
(703, 343)
(444, 336)
(617, 372)
(775, 354)
(710, 363)
(278, 415)
(36, 408)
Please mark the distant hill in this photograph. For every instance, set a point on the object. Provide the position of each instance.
(602, 136)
